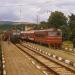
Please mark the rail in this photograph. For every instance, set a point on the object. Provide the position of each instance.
(58, 68)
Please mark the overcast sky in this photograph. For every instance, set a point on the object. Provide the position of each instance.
(27, 10)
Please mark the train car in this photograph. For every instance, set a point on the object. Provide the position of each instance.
(51, 37)
(15, 37)
(27, 35)
(6, 35)
(12, 36)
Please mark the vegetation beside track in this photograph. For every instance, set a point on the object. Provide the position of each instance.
(67, 44)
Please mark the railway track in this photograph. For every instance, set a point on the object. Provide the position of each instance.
(50, 66)
(69, 51)
(66, 57)
(65, 49)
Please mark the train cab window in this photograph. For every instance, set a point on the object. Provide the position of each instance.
(54, 34)
(51, 33)
(58, 33)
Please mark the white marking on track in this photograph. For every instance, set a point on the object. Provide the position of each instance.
(40, 50)
(4, 72)
(3, 61)
(49, 54)
(54, 56)
(66, 48)
(45, 72)
(70, 49)
(67, 61)
(73, 64)
(59, 58)
(2, 55)
(3, 58)
(37, 49)
(46, 53)
(3, 66)
(33, 62)
(38, 66)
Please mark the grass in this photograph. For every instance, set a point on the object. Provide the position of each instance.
(67, 44)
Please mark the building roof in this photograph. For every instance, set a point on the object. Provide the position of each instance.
(32, 31)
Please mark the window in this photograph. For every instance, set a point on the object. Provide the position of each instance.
(54, 33)
(40, 35)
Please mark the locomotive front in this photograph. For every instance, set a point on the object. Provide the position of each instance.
(15, 37)
(55, 38)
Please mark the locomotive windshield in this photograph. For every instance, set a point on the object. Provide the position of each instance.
(54, 34)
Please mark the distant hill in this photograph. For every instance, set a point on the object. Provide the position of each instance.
(5, 22)
(11, 22)
(4, 25)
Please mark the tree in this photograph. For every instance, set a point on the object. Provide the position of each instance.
(72, 21)
(43, 25)
(72, 24)
(66, 32)
(57, 19)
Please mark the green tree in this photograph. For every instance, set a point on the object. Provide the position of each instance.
(66, 32)
(57, 19)
(72, 21)
(43, 25)
(72, 25)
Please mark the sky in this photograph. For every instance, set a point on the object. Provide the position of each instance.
(30, 10)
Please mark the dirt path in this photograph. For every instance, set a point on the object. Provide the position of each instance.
(17, 63)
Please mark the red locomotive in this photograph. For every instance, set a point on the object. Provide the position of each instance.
(51, 37)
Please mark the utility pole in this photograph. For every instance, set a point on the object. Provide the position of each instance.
(21, 17)
(37, 19)
(48, 11)
(20, 14)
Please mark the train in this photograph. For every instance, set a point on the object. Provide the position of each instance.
(12, 36)
(51, 37)
(15, 37)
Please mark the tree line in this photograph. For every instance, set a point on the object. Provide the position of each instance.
(59, 20)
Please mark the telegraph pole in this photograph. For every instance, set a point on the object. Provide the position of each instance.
(37, 19)
(48, 11)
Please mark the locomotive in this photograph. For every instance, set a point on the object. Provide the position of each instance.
(15, 37)
(12, 36)
(51, 37)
